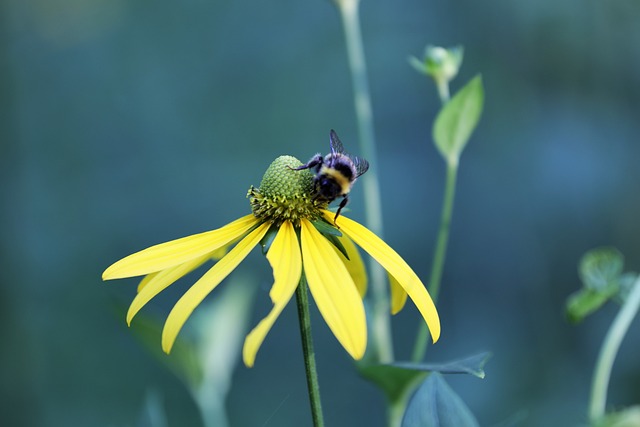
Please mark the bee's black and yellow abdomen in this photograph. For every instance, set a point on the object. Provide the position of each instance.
(341, 174)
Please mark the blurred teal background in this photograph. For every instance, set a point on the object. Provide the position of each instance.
(128, 123)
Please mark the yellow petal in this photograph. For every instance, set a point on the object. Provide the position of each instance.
(354, 264)
(286, 261)
(334, 291)
(194, 296)
(395, 265)
(215, 255)
(145, 280)
(160, 281)
(177, 251)
(398, 295)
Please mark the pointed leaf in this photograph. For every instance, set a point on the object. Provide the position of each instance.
(458, 119)
(472, 365)
(326, 228)
(435, 404)
(396, 378)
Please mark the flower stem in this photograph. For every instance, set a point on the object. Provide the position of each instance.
(302, 299)
(608, 353)
(380, 328)
(440, 252)
(443, 90)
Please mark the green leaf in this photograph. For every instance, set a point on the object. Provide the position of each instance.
(601, 267)
(396, 378)
(457, 120)
(586, 301)
(326, 228)
(338, 244)
(332, 234)
(435, 404)
(473, 365)
(393, 381)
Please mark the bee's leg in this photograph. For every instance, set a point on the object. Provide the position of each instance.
(342, 204)
(315, 162)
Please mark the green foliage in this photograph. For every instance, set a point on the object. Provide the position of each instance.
(396, 379)
(326, 229)
(435, 404)
(472, 365)
(601, 272)
(600, 268)
(586, 301)
(457, 120)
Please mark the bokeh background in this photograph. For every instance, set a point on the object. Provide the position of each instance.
(128, 123)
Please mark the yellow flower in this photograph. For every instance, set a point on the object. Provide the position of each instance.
(304, 241)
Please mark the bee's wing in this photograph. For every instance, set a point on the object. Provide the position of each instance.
(361, 165)
(334, 141)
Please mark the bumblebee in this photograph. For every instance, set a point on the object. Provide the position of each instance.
(335, 173)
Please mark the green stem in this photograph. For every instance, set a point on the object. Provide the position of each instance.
(608, 353)
(302, 298)
(439, 256)
(380, 322)
(443, 90)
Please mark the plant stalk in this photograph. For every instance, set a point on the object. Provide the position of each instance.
(439, 255)
(302, 299)
(380, 322)
(608, 352)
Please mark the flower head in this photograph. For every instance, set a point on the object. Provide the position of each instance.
(299, 236)
(440, 63)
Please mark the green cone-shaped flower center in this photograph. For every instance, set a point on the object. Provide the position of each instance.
(285, 194)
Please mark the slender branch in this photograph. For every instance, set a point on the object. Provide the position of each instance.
(439, 256)
(302, 299)
(608, 352)
(380, 323)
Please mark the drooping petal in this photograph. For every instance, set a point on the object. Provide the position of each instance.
(178, 251)
(354, 264)
(286, 261)
(215, 255)
(160, 281)
(207, 283)
(333, 291)
(145, 280)
(398, 295)
(395, 265)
